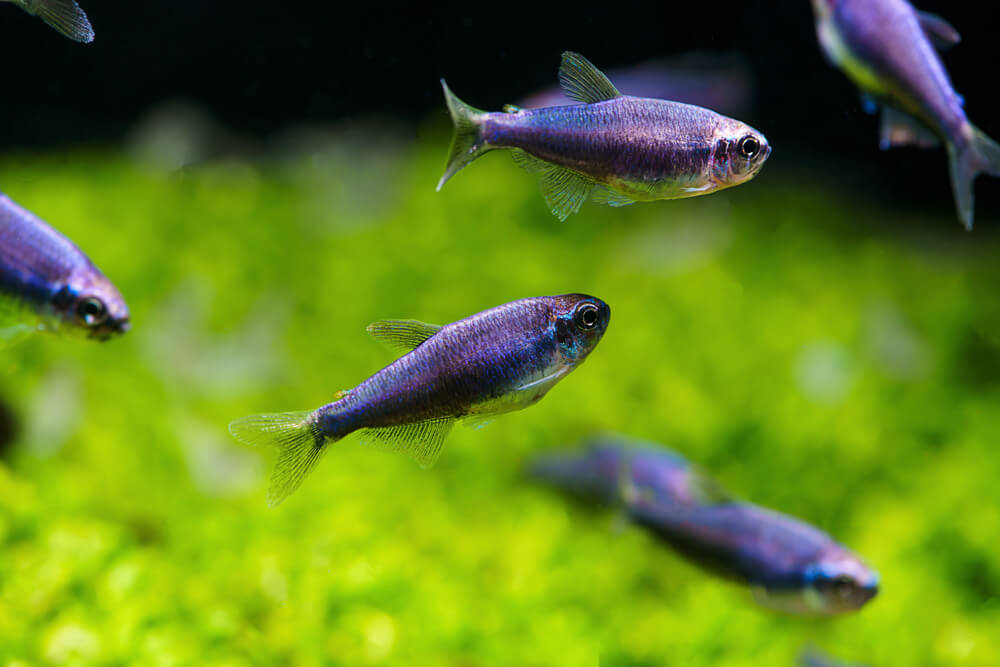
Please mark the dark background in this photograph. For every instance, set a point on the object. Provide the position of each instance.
(261, 66)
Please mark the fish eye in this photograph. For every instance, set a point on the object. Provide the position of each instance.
(587, 316)
(749, 147)
(92, 311)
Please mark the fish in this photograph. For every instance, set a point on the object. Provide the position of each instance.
(789, 565)
(63, 15)
(497, 361)
(47, 284)
(887, 48)
(612, 148)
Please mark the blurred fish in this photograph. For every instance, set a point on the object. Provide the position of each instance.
(885, 47)
(63, 15)
(612, 148)
(719, 81)
(497, 361)
(48, 284)
(789, 565)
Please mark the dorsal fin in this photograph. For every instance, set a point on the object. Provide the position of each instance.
(705, 490)
(583, 82)
(941, 33)
(404, 335)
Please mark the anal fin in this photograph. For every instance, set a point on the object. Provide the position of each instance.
(900, 129)
(564, 189)
(420, 441)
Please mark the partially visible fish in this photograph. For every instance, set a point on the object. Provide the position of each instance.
(611, 148)
(497, 361)
(789, 565)
(48, 284)
(63, 15)
(885, 47)
(723, 82)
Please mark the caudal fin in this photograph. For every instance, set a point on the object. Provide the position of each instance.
(467, 143)
(980, 155)
(65, 16)
(298, 441)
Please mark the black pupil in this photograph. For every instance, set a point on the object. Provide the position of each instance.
(750, 147)
(588, 316)
(92, 309)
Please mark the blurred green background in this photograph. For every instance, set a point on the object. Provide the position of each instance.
(816, 363)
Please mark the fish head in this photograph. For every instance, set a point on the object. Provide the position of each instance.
(840, 582)
(580, 322)
(91, 306)
(739, 153)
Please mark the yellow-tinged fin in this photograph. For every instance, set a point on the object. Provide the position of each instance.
(298, 441)
(583, 82)
(421, 441)
(405, 335)
(704, 488)
(564, 189)
(63, 15)
(467, 143)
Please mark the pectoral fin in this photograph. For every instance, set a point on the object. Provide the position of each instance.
(602, 194)
(900, 129)
(405, 335)
(941, 33)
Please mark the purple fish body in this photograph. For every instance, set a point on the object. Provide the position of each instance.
(790, 565)
(47, 283)
(885, 47)
(503, 359)
(612, 148)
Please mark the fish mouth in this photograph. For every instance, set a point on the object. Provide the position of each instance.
(111, 330)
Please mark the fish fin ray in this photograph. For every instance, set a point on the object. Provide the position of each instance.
(901, 129)
(476, 422)
(941, 33)
(298, 441)
(420, 441)
(565, 190)
(405, 335)
(529, 162)
(66, 17)
(583, 82)
(705, 489)
(602, 194)
(467, 143)
(980, 155)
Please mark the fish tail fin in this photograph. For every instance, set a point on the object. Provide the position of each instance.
(978, 155)
(66, 17)
(467, 143)
(298, 440)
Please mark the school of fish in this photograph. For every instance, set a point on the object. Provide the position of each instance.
(601, 146)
